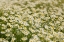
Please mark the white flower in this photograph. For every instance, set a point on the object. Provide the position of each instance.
(57, 22)
(47, 38)
(47, 18)
(35, 37)
(50, 36)
(4, 40)
(3, 32)
(13, 39)
(53, 16)
(46, 27)
(9, 24)
(33, 9)
(37, 25)
(25, 32)
(7, 34)
(32, 30)
(50, 41)
(24, 38)
(20, 27)
(51, 24)
(32, 40)
(60, 18)
(26, 24)
(11, 12)
(6, 14)
(3, 18)
(56, 34)
(8, 30)
(3, 26)
(61, 27)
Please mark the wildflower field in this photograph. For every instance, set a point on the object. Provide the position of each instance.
(31, 20)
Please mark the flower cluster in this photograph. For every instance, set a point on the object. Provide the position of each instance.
(31, 21)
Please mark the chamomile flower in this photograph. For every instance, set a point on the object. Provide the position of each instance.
(24, 38)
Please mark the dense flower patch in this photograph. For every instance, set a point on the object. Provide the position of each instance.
(31, 21)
